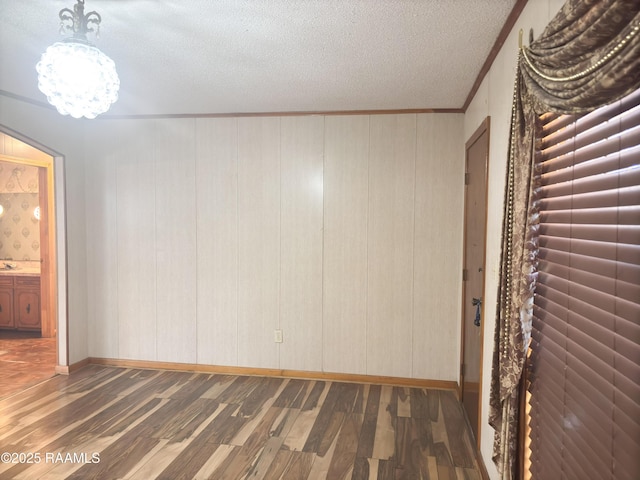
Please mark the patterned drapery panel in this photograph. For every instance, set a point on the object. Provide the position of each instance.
(587, 57)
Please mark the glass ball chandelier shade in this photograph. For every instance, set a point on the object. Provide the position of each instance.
(77, 78)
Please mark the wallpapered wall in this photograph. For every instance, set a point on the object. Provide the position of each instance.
(19, 228)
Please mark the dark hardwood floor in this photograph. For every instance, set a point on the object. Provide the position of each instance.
(25, 360)
(107, 423)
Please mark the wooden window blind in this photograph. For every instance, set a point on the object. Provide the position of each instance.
(584, 364)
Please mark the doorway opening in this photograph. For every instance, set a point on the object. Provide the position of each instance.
(29, 337)
(475, 208)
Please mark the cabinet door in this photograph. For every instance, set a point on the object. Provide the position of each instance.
(6, 308)
(27, 309)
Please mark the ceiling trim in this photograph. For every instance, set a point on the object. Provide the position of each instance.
(283, 114)
(22, 98)
(502, 37)
(398, 111)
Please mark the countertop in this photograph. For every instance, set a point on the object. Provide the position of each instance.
(23, 268)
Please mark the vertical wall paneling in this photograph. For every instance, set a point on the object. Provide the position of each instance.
(390, 244)
(175, 212)
(342, 231)
(217, 240)
(102, 250)
(438, 243)
(258, 240)
(136, 242)
(346, 160)
(301, 198)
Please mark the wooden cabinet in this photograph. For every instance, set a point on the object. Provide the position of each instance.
(26, 302)
(6, 302)
(20, 302)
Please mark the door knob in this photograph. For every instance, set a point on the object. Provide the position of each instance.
(477, 302)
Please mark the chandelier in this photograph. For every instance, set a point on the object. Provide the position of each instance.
(77, 78)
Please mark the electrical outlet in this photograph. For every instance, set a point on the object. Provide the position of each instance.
(277, 336)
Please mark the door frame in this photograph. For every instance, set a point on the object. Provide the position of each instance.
(53, 287)
(482, 129)
(46, 228)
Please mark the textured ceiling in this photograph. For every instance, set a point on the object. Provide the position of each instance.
(235, 56)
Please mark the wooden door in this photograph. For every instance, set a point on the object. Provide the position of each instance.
(6, 307)
(476, 164)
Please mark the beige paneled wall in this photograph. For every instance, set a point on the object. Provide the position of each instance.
(104, 179)
(258, 240)
(136, 229)
(217, 239)
(346, 207)
(437, 262)
(175, 235)
(390, 236)
(342, 231)
(301, 207)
